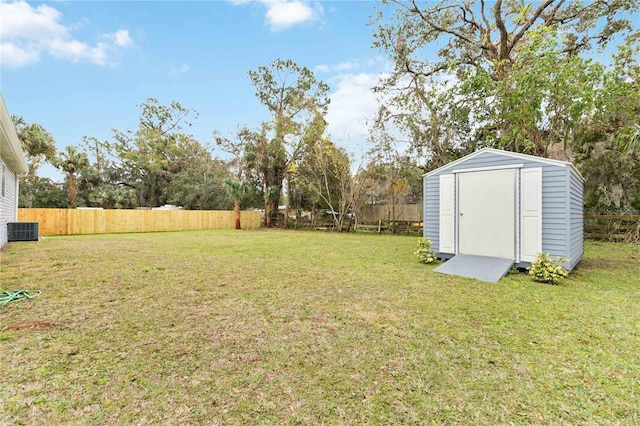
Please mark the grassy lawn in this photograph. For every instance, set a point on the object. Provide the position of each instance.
(273, 327)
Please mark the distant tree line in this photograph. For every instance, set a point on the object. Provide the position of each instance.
(153, 165)
(288, 160)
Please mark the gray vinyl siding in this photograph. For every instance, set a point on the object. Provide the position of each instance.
(8, 202)
(431, 228)
(576, 225)
(554, 211)
(562, 219)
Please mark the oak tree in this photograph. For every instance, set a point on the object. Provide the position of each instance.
(506, 74)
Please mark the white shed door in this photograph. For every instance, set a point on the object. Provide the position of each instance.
(531, 210)
(447, 211)
(487, 213)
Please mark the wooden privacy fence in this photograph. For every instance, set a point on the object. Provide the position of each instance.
(94, 221)
(612, 227)
(387, 212)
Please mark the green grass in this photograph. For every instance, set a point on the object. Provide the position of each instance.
(273, 327)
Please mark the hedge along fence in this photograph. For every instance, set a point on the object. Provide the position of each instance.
(612, 227)
(95, 221)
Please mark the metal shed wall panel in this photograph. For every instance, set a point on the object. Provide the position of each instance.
(576, 226)
(431, 216)
(554, 218)
(560, 236)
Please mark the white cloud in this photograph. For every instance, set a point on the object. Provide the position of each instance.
(28, 32)
(20, 20)
(284, 14)
(179, 70)
(346, 66)
(14, 56)
(350, 65)
(121, 38)
(353, 103)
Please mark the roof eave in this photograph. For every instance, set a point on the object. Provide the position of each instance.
(11, 150)
(507, 154)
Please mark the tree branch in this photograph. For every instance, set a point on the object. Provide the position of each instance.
(436, 27)
(531, 21)
(504, 34)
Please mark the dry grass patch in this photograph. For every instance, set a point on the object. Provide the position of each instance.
(272, 327)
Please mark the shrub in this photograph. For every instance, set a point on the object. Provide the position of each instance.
(546, 270)
(424, 253)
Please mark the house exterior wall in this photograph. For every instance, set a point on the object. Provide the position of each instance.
(561, 226)
(8, 206)
(13, 164)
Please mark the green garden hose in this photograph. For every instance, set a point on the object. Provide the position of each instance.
(7, 297)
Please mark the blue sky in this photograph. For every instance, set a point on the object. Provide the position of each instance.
(81, 68)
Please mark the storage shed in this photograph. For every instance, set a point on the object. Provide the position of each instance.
(493, 209)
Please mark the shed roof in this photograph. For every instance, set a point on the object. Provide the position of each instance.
(10, 148)
(513, 155)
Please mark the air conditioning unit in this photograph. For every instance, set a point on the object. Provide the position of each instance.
(22, 231)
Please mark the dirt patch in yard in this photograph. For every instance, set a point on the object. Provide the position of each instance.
(30, 325)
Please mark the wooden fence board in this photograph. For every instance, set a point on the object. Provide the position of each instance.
(94, 221)
(399, 212)
(614, 217)
(612, 227)
(611, 236)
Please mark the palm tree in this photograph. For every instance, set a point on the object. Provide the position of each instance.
(71, 161)
(238, 189)
(36, 141)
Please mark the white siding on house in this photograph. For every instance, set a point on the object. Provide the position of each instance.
(7, 203)
(12, 164)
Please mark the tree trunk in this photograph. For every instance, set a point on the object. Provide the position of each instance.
(273, 210)
(236, 211)
(393, 209)
(72, 191)
(267, 213)
(285, 223)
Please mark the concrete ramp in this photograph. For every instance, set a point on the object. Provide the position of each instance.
(482, 268)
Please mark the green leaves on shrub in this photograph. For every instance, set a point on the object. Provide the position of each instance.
(423, 252)
(546, 270)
